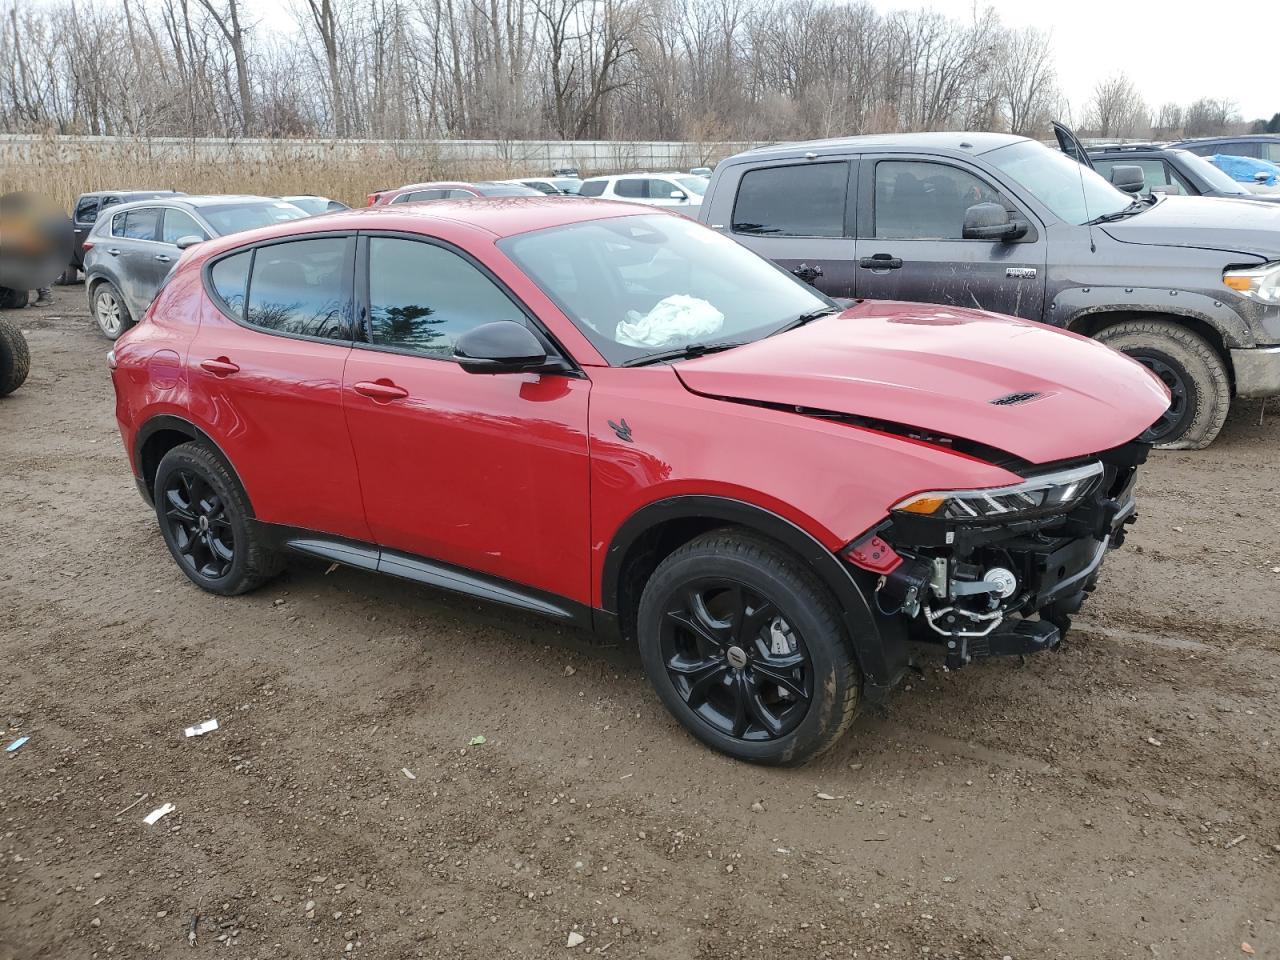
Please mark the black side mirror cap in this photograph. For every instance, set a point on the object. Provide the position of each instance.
(1128, 177)
(990, 221)
(503, 346)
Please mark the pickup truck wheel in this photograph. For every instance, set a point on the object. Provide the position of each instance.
(205, 520)
(1190, 368)
(15, 358)
(747, 649)
(109, 310)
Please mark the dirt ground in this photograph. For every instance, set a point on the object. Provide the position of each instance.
(1120, 798)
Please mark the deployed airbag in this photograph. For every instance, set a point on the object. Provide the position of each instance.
(677, 319)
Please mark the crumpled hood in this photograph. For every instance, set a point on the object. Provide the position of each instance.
(939, 369)
(1208, 223)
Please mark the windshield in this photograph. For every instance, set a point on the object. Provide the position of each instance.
(648, 284)
(228, 218)
(1073, 192)
(1219, 180)
(693, 184)
(506, 190)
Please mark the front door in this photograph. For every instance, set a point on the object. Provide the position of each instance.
(797, 215)
(488, 472)
(911, 243)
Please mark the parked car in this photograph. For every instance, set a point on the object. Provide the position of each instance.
(1189, 287)
(550, 186)
(15, 357)
(769, 493)
(85, 215)
(314, 206)
(417, 192)
(1260, 177)
(129, 254)
(679, 191)
(1260, 146)
(1171, 170)
(566, 171)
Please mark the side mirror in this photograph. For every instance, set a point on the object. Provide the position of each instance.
(679, 195)
(1128, 177)
(1261, 176)
(188, 241)
(990, 221)
(503, 346)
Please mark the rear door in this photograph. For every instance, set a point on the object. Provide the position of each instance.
(796, 213)
(1071, 146)
(133, 243)
(911, 242)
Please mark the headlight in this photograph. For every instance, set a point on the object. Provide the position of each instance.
(1260, 283)
(1048, 493)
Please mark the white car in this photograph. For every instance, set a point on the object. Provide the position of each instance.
(679, 191)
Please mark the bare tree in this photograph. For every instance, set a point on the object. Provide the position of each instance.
(227, 20)
(1208, 116)
(1116, 109)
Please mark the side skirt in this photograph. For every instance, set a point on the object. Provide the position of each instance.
(433, 573)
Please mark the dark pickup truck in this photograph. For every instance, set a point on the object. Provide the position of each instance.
(1189, 286)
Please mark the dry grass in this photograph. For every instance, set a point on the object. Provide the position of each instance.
(61, 172)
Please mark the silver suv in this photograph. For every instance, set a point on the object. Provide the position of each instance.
(677, 191)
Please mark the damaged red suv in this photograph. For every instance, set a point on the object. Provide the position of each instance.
(624, 420)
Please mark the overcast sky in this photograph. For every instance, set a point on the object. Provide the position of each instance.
(1172, 52)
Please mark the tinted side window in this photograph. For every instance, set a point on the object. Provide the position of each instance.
(793, 201)
(230, 279)
(142, 224)
(919, 201)
(179, 224)
(87, 210)
(592, 188)
(298, 287)
(539, 185)
(630, 187)
(1270, 151)
(421, 195)
(421, 297)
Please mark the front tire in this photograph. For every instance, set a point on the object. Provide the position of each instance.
(747, 649)
(109, 310)
(205, 519)
(1192, 370)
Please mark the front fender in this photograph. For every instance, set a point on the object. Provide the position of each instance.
(1071, 309)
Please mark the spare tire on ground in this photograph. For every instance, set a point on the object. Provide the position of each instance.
(15, 360)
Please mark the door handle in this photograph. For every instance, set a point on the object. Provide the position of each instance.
(881, 261)
(807, 273)
(219, 367)
(114, 251)
(164, 258)
(380, 391)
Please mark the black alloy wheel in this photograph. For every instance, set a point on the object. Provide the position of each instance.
(735, 661)
(1172, 420)
(198, 524)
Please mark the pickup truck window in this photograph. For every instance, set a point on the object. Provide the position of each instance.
(1074, 193)
(806, 200)
(918, 200)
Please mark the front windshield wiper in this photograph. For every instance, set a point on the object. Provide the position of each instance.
(804, 318)
(1136, 207)
(682, 353)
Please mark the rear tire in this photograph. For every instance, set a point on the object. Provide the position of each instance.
(109, 311)
(747, 649)
(15, 358)
(1193, 371)
(206, 522)
(68, 276)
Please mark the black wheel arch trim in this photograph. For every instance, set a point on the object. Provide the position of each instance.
(168, 421)
(879, 642)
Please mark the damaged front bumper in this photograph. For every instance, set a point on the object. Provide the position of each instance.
(1000, 572)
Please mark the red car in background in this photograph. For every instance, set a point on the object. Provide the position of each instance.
(624, 420)
(415, 192)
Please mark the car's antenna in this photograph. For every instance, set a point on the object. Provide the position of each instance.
(1084, 196)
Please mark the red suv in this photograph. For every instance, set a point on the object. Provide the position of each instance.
(624, 420)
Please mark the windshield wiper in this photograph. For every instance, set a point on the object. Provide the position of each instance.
(681, 353)
(1136, 207)
(804, 318)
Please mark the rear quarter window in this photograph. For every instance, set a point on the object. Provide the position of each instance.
(229, 278)
(592, 188)
(804, 200)
(301, 288)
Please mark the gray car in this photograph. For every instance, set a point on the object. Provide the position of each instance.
(129, 253)
(1188, 286)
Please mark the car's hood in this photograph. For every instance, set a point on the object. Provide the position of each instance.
(940, 369)
(1241, 226)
